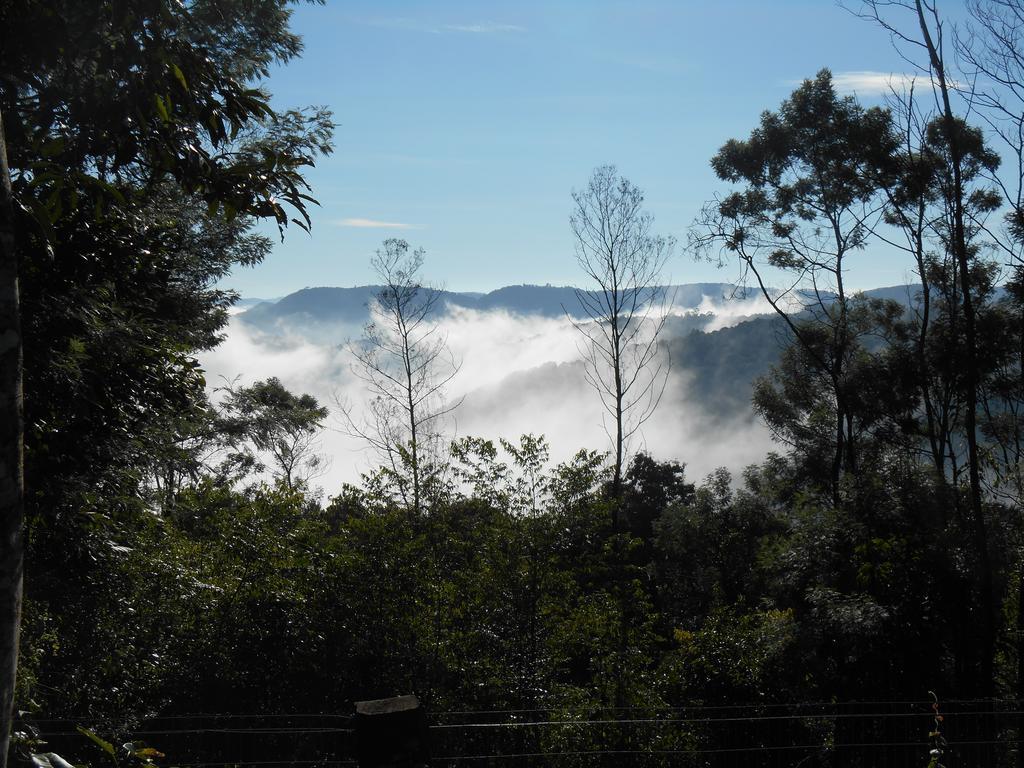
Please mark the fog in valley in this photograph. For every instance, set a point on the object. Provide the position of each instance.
(519, 373)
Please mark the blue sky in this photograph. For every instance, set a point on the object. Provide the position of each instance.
(464, 126)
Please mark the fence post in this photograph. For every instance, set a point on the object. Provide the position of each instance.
(392, 733)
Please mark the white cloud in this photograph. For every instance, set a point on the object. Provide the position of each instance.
(484, 28)
(372, 224)
(727, 313)
(869, 83)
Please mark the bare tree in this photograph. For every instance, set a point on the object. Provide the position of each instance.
(990, 53)
(619, 253)
(404, 361)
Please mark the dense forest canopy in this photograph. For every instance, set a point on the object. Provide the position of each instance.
(177, 558)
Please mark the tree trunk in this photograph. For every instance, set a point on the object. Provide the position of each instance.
(988, 622)
(12, 477)
(1019, 693)
(619, 430)
(837, 456)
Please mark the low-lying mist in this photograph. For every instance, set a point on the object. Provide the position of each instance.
(519, 374)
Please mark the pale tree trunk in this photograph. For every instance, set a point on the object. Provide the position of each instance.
(620, 438)
(12, 478)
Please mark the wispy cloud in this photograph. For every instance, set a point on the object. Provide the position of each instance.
(475, 28)
(484, 28)
(869, 83)
(372, 224)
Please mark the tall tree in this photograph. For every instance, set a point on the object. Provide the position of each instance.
(923, 33)
(807, 202)
(12, 471)
(990, 49)
(619, 253)
(102, 103)
(404, 361)
(920, 206)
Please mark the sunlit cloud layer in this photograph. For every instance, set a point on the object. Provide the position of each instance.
(518, 374)
(868, 83)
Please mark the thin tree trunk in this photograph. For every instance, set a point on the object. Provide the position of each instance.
(970, 364)
(837, 456)
(12, 476)
(619, 429)
(414, 455)
(915, 229)
(840, 340)
(934, 440)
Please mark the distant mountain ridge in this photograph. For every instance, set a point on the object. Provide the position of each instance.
(720, 365)
(326, 305)
(349, 305)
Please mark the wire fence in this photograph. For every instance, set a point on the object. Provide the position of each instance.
(810, 735)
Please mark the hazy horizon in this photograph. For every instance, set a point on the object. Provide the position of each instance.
(528, 284)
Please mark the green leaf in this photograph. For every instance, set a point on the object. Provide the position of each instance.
(161, 108)
(106, 746)
(176, 70)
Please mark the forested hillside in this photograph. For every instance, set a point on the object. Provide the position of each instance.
(179, 558)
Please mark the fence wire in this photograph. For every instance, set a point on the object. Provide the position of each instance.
(808, 735)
